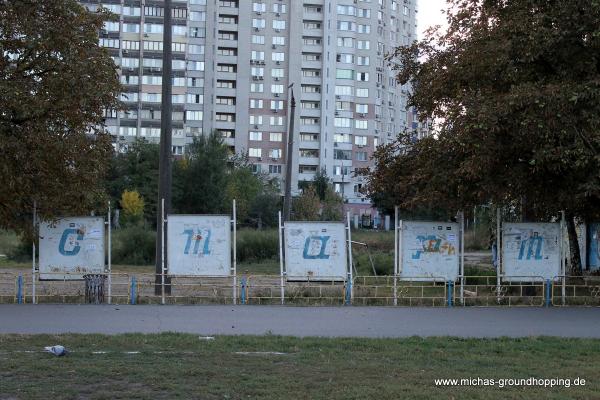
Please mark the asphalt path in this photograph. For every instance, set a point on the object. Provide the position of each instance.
(302, 321)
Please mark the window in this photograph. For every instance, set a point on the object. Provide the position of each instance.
(228, 19)
(346, 26)
(274, 169)
(344, 74)
(179, 30)
(193, 115)
(180, 47)
(259, 7)
(311, 89)
(195, 65)
(227, 35)
(112, 26)
(254, 152)
(278, 24)
(225, 84)
(362, 92)
(342, 154)
(362, 108)
(226, 67)
(312, 25)
(346, 10)
(225, 117)
(276, 121)
(310, 105)
(226, 51)
(309, 137)
(130, 44)
(360, 124)
(278, 73)
(311, 56)
(276, 104)
(130, 62)
(309, 153)
(342, 122)
(258, 55)
(131, 28)
(279, 8)
(364, 28)
(279, 40)
(195, 98)
(256, 120)
(129, 79)
(226, 133)
(257, 71)
(132, 11)
(256, 136)
(197, 32)
(256, 103)
(311, 73)
(153, 46)
(343, 90)
(278, 57)
(309, 121)
(311, 41)
(276, 137)
(277, 89)
(197, 16)
(345, 42)
(275, 153)
(111, 43)
(196, 49)
(258, 23)
(226, 101)
(127, 131)
(363, 77)
(361, 156)
(363, 44)
(341, 138)
(151, 80)
(360, 140)
(256, 87)
(199, 82)
(129, 96)
(307, 169)
(362, 60)
(258, 39)
(345, 58)
(153, 28)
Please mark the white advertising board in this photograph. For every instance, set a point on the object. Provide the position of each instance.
(71, 248)
(199, 245)
(315, 251)
(429, 250)
(530, 250)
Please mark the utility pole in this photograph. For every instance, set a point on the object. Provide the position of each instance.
(287, 201)
(165, 157)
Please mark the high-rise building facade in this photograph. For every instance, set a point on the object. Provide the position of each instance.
(233, 64)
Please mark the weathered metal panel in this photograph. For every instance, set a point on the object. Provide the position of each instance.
(71, 248)
(429, 250)
(199, 245)
(315, 251)
(530, 251)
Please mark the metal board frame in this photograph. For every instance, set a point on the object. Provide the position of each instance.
(531, 251)
(593, 248)
(199, 245)
(71, 247)
(315, 251)
(429, 250)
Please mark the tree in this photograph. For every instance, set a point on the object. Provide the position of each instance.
(200, 179)
(133, 207)
(306, 207)
(136, 169)
(55, 82)
(516, 86)
(243, 186)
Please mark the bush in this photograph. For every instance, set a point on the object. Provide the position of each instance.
(134, 246)
(257, 245)
(383, 263)
(21, 251)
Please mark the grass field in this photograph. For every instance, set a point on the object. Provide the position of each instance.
(183, 366)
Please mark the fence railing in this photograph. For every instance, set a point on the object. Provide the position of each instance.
(16, 287)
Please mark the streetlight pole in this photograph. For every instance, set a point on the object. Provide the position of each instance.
(165, 156)
(287, 201)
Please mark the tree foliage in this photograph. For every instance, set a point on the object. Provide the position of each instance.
(516, 85)
(318, 201)
(55, 82)
(137, 170)
(200, 179)
(133, 206)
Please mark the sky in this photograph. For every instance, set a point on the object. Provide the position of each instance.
(429, 14)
